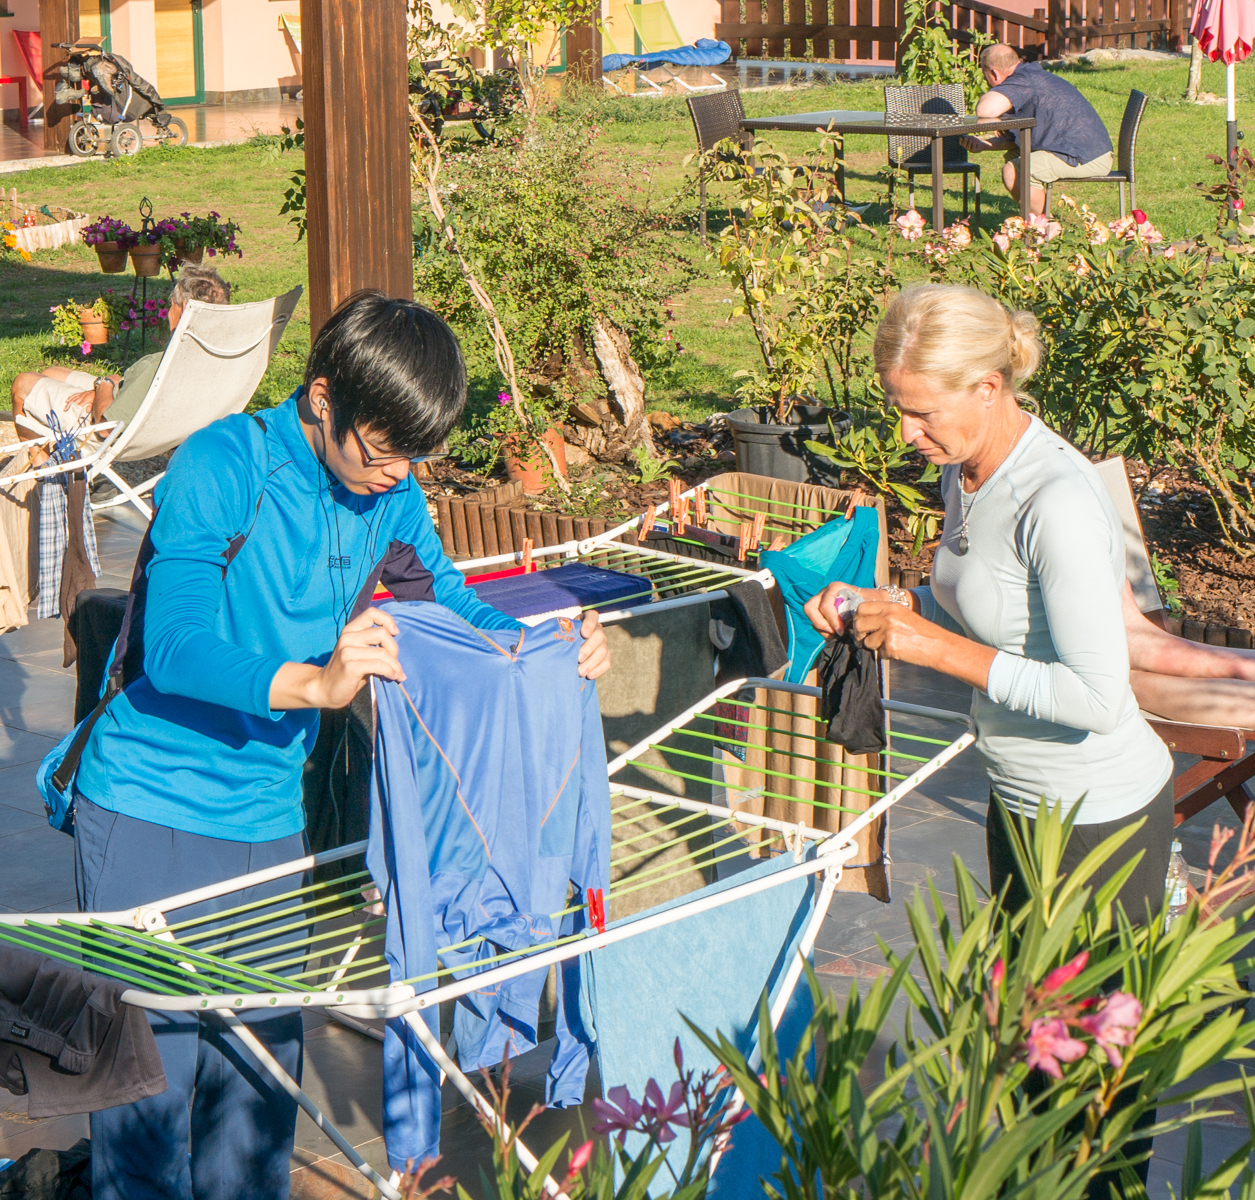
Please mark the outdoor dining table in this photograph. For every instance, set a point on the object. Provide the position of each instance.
(933, 126)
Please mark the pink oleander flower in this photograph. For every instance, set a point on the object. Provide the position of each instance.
(1002, 241)
(1114, 1024)
(661, 1114)
(618, 1114)
(997, 975)
(911, 225)
(1049, 1044)
(1061, 976)
(579, 1159)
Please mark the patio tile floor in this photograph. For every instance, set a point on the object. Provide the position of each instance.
(944, 818)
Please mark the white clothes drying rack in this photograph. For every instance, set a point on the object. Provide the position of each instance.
(203, 966)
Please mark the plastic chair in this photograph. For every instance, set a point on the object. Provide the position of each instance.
(716, 117)
(210, 369)
(1126, 155)
(914, 153)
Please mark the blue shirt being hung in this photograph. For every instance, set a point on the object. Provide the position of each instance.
(260, 558)
(1067, 124)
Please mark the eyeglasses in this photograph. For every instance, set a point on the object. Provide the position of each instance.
(374, 460)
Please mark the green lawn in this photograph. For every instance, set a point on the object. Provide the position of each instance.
(650, 138)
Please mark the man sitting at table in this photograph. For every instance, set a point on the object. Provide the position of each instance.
(72, 398)
(1069, 140)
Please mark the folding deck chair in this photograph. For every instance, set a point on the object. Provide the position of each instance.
(663, 843)
(210, 369)
(1225, 766)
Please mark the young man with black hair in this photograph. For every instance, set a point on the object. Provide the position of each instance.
(269, 535)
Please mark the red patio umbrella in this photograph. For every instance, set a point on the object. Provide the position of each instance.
(1225, 29)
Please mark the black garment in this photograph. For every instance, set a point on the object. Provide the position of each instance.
(336, 783)
(851, 704)
(94, 625)
(67, 1040)
(76, 569)
(708, 545)
(744, 631)
(1145, 885)
(50, 1174)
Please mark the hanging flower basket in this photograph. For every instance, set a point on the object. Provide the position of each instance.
(112, 257)
(146, 260)
(189, 253)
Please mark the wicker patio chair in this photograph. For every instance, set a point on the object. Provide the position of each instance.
(716, 117)
(914, 153)
(1126, 155)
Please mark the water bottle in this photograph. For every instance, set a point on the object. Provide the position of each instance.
(1177, 886)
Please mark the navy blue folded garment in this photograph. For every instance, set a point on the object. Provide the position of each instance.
(559, 589)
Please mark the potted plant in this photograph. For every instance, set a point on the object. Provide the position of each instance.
(195, 235)
(77, 324)
(153, 247)
(111, 239)
(518, 437)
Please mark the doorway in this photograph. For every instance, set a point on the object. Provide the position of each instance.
(93, 22)
(180, 51)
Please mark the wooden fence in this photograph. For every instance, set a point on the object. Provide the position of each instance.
(871, 30)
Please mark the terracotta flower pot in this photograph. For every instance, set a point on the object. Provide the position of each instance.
(532, 472)
(146, 260)
(112, 257)
(94, 328)
(192, 255)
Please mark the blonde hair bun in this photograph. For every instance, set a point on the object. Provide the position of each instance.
(955, 337)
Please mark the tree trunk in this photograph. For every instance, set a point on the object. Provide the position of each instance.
(1196, 71)
(627, 391)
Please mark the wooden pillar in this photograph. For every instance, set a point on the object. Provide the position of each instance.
(583, 51)
(357, 152)
(1054, 29)
(58, 22)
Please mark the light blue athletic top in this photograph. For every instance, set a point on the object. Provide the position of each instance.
(1041, 582)
(193, 744)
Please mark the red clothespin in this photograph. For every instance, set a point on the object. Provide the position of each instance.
(743, 543)
(699, 505)
(682, 515)
(756, 531)
(777, 542)
(597, 910)
(527, 555)
(673, 497)
(855, 501)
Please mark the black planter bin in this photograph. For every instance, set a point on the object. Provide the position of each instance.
(764, 447)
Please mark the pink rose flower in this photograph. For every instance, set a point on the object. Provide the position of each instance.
(911, 225)
(1049, 1044)
(1139, 216)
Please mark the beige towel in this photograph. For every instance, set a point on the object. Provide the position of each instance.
(19, 541)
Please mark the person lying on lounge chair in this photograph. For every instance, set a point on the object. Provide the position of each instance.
(72, 398)
(1190, 681)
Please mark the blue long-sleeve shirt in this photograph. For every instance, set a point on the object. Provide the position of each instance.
(259, 559)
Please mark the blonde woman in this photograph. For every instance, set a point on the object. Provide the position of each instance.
(1025, 602)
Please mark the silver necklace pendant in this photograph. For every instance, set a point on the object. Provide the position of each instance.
(962, 546)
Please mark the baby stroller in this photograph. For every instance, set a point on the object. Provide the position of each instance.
(112, 100)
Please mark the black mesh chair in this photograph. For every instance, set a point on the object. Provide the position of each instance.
(914, 154)
(716, 116)
(1125, 171)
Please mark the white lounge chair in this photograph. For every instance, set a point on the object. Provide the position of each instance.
(210, 369)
